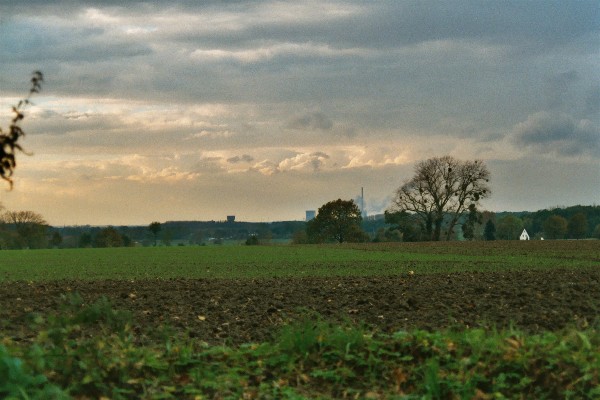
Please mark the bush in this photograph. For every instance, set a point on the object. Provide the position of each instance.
(252, 240)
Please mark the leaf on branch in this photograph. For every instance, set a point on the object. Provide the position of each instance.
(8, 142)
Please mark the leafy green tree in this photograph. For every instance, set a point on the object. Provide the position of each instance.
(339, 221)
(85, 239)
(9, 141)
(197, 237)
(555, 227)
(155, 227)
(264, 233)
(220, 234)
(393, 235)
(387, 235)
(473, 218)
(596, 232)
(108, 237)
(441, 191)
(509, 228)
(380, 236)
(489, 232)
(167, 237)
(56, 239)
(300, 237)
(127, 242)
(577, 226)
(409, 226)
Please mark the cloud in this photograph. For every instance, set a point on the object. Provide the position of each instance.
(592, 102)
(276, 50)
(311, 121)
(319, 154)
(238, 159)
(212, 134)
(208, 165)
(265, 167)
(559, 134)
(242, 94)
(560, 82)
(312, 162)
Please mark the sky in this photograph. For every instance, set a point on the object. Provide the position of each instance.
(188, 110)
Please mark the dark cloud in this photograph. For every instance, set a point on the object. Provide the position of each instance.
(320, 154)
(559, 133)
(208, 165)
(316, 164)
(592, 103)
(382, 24)
(316, 160)
(344, 50)
(311, 121)
(52, 123)
(559, 86)
(65, 44)
(243, 158)
(388, 24)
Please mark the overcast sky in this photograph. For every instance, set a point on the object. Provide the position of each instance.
(188, 110)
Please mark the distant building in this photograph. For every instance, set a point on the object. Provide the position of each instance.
(360, 201)
(310, 214)
(231, 218)
(524, 235)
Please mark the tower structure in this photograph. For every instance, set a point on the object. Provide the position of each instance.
(363, 212)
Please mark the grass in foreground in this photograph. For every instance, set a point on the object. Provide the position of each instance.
(371, 259)
(91, 352)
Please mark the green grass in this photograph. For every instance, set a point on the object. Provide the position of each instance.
(289, 261)
(91, 352)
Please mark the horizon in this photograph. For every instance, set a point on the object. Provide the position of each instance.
(296, 220)
(176, 111)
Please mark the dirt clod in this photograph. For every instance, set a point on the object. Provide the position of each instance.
(238, 311)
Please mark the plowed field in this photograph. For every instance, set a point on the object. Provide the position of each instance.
(250, 310)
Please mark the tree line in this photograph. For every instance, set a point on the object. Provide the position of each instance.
(170, 233)
(429, 206)
(575, 222)
(29, 230)
(441, 202)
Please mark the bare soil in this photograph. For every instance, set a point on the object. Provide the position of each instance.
(239, 311)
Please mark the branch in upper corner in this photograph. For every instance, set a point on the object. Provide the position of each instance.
(9, 141)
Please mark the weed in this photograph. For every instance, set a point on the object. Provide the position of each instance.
(311, 358)
(17, 383)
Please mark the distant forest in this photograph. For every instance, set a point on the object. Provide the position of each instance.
(534, 221)
(577, 222)
(174, 233)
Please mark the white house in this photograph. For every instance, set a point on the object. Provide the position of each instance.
(524, 235)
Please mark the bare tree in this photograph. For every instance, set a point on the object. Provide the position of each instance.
(442, 190)
(8, 141)
(21, 218)
(29, 226)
